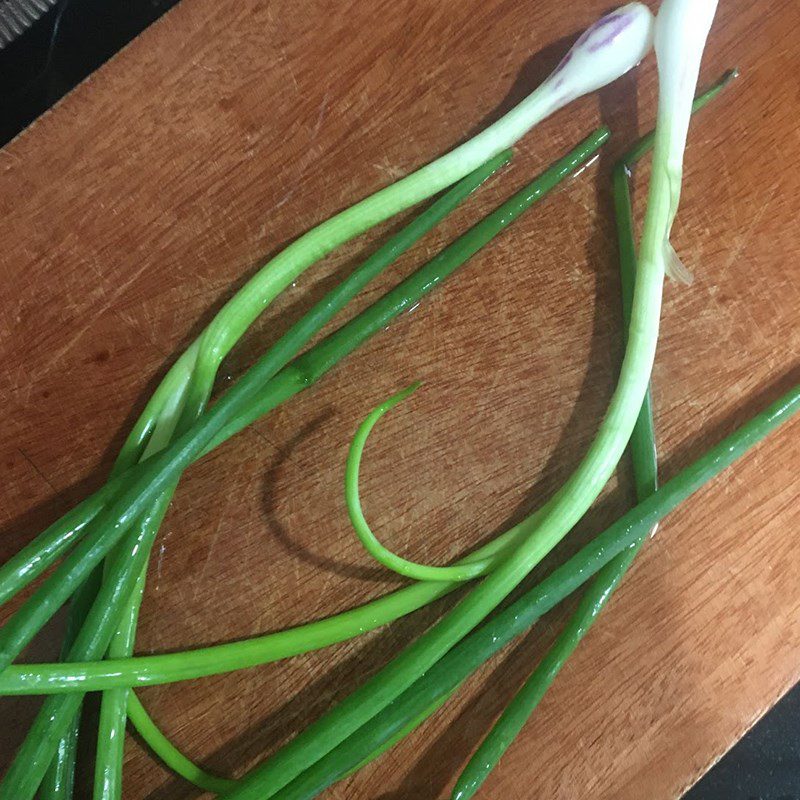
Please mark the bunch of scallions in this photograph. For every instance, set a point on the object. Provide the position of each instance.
(99, 550)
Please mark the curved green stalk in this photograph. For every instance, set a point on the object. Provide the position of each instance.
(570, 504)
(170, 754)
(112, 720)
(645, 467)
(157, 471)
(181, 765)
(301, 373)
(108, 765)
(473, 651)
(459, 572)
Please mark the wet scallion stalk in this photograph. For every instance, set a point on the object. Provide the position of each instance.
(459, 663)
(153, 475)
(643, 456)
(678, 74)
(57, 783)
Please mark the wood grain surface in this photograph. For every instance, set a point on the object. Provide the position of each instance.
(132, 210)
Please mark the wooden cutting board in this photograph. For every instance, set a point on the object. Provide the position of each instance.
(133, 209)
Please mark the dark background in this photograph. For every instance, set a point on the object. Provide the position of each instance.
(76, 37)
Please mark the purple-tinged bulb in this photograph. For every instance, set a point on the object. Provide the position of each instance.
(613, 45)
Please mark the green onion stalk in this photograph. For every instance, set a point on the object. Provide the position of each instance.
(113, 714)
(472, 566)
(185, 391)
(645, 472)
(581, 489)
(586, 68)
(444, 678)
(641, 444)
(243, 402)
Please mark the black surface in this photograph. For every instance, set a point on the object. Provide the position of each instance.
(77, 37)
(61, 49)
(764, 765)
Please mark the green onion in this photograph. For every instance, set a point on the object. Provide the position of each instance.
(305, 370)
(681, 30)
(570, 503)
(643, 456)
(108, 775)
(56, 678)
(108, 765)
(466, 570)
(588, 66)
(170, 754)
(477, 648)
(470, 566)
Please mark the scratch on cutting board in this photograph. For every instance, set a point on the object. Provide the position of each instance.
(329, 574)
(393, 173)
(22, 387)
(307, 159)
(512, 51)
(745, 236)
(205, 67)
(36, 469)
(221, 524)
(90, 320)
(731, 194)
(323, 107)
(284, 59)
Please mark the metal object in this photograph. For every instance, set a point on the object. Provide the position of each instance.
(16, 16)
